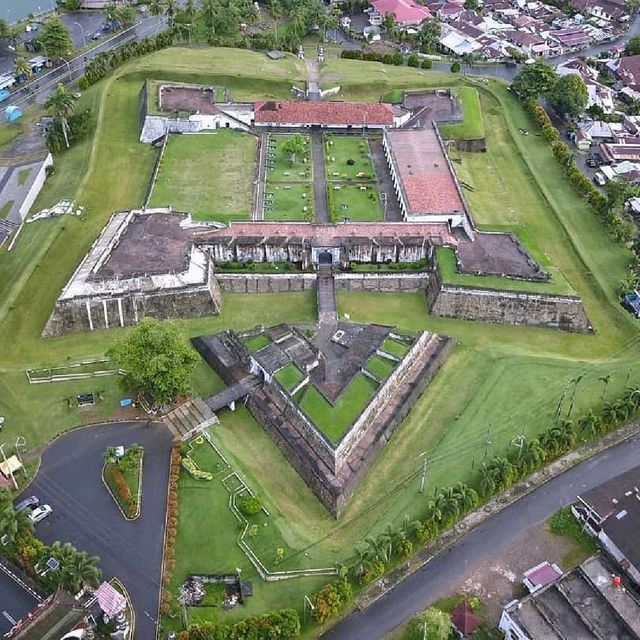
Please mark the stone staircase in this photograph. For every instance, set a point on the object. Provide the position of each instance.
(6, 228)
(190, 418)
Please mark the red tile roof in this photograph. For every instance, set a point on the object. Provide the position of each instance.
(324, 113)
(424, 172)
(404, 10)
(464, 619)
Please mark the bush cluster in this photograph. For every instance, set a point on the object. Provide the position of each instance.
(330, 599)
(373, 56)
(250, 505)
(168, 603)
(283, 624)
(118, 483)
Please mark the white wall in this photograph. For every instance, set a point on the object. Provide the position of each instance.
(31, 196)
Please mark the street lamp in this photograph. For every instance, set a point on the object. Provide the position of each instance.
(84, 38)
(42, 44)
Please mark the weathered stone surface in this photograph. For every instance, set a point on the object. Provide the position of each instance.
(510, 307)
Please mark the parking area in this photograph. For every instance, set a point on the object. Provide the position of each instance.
(70, 480)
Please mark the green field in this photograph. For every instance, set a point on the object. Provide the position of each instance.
(288, 201)
(290, 376)
(505, 376)
(472, 126)
(209, 175)
(340, 151)
(280, 167)
(357, 202)
(334, 420)
(379, 366)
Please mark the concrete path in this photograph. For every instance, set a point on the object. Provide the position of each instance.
(490, 539)
(313, 80)
(70, 480)
(392, 211)
(321, 201)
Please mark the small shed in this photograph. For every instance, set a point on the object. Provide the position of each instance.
(112, 602)
(465, 620)
(10, 466)
(12, 113)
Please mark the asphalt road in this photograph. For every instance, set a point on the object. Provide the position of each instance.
(84, 513)
(15, 602)
(446, 570)
(44, 85)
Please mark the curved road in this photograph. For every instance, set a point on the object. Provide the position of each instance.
(84, 513)
(447, 568)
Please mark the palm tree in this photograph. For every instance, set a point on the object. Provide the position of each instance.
(13, 522)
(80, 570)
(589, 424)
(386, 541)
(605, 380)
(110, 456)
(62, 104)
(609, 414)
(531, 456)
(567, 433)
(22, 68)
(467, 497)
(434, 512)
(502, 470)
(487, 481)
(156, 7)
(551, 440)
(450, 505)
(376, 548)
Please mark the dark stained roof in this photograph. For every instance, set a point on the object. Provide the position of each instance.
(464, 619)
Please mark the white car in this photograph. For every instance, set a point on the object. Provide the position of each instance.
(40, 513)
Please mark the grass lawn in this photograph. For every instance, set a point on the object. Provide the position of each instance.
(450, 275)
(209, 175)
(132, 478)
(279, 165)
(6, 207)
(334, 420)
(472, 126)
(339, 150)
(287, 201)
(395, 96)
(380, 366)
(499, 375)
(353, 202)
(257, 342)
(290, 376)
(563, 523)
(395, 348)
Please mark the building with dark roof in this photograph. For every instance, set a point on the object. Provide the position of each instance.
(584, 604)
(611, 512)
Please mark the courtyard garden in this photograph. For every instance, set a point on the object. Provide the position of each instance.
(288, 183)
(354, 202)
(122, 474)
(289, 376)
(503, 376)
(209, 175)
(348, 157)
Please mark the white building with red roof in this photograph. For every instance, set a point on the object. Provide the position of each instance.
(423, 178)
(334, 115)
(407, 13)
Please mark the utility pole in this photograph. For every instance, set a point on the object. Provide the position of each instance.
(425, 460)
(4, 458)
(519, 441)
(487, 443)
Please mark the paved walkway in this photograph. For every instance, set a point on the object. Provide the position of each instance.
(392, 211)
(313, 80)
(321, 201)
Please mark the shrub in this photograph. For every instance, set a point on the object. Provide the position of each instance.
(330, 599)
(413, 61)
(119, 483)
(250, 505)
(427, 64)
(398, 59)
(194, 471)
(455, 67)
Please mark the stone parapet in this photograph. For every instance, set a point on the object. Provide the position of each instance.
(511, 307)
(385, 282)
(265, 283)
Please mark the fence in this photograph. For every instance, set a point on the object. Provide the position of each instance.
(38, 376)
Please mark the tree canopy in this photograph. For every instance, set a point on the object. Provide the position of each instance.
(569, 95)
(56, 39)
(157, 359)
(62, 105)
(437, 624)
(535, 80)
(428, 35)
(633, 46)
(294, 146)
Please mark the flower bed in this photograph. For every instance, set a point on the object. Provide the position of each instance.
(123, 479)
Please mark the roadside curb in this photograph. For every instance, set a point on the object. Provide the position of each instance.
(381, 587)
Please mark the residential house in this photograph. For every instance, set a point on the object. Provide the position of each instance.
(571, 39)
(406, 12)
(611, 512)
(452, 41)
(599, 94)
(627, 71)
(593, 132)
(603, 9)
(531, 45)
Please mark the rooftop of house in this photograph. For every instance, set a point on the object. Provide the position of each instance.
(324, 113)
(424, 172)
(628, 70)
(404, 10)
(583, 604)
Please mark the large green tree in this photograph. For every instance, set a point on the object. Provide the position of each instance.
(56, 39)
(633, 46)
(569, 95)
(157, 359)
(428, 36)
(432, 624)
(294, 146)
(535, 80)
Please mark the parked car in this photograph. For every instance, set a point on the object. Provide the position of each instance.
(40, 513)
(599, 179)
(28, 503)
(96, 36)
